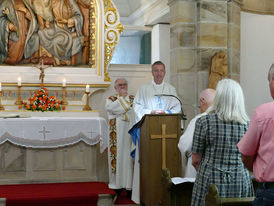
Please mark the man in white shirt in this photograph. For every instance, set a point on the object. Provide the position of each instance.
(151, 99)
(185, 143)
(119, 109)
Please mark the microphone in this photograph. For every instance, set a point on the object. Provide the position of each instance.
(183, 116)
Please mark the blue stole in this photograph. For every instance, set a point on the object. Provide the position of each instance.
(135, 136)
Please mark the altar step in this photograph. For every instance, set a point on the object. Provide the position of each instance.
(123, 199)
(57, 194)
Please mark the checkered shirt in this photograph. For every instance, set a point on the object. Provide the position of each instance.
(221, 162)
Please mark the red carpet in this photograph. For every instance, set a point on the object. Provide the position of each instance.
(123, 199)
(54, 194)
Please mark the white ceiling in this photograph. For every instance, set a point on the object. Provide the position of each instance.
(127, 7)
(142, 12)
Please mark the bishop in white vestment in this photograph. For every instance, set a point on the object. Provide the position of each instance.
(119, 109)
(150, 99)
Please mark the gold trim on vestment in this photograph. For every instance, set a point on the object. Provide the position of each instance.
(122, 103)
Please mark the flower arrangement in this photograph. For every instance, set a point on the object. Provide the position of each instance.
(40, 101)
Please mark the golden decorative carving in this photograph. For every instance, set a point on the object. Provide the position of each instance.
(1, 106)
(113, 29)
(93, 32)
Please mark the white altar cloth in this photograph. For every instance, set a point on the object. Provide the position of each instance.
(53, 132)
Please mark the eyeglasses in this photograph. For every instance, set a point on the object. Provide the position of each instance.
(120, 85)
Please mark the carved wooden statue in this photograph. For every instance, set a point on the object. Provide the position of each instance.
(218, 69)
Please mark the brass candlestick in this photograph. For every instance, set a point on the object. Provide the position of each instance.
(87, 107)
(19, 101)
(64, 100)
(1, 106)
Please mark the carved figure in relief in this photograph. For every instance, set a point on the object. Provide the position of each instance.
(84, 7)
(26, 46)
(218, 69)
(44, 13)
(63, 38)
(9, 25)
(57, 30)
(18, 37)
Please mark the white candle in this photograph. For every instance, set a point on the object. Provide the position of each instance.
(19, 81)
(0, 86)
(87, 88)
(64, 82)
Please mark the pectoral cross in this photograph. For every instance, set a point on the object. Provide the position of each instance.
(164, 136)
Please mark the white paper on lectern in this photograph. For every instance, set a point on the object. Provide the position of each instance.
(179, 180)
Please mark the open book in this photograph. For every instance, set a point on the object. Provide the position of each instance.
(8, 115)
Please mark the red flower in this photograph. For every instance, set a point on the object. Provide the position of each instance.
(42, 102)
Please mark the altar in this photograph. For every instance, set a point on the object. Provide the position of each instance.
(60, 147)
(49, 129)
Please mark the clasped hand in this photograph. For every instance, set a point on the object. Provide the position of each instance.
(158, 111)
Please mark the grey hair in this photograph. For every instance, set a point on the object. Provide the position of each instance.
(158, 63)
(116, 81)
(208, 95)
(229, 102)
(271, 73)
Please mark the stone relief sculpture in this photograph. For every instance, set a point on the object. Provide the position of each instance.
(44, 28)
(218, 69)
(17, 37)
(79, 34)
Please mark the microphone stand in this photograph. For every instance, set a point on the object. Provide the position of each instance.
(183, 116)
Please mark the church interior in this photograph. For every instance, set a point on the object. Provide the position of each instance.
(68, 142)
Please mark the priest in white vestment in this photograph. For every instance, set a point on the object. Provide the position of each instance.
(151, 98)
(119, 109)
(185, 143)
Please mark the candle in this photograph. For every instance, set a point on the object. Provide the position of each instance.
(64, 82)
(0, 86)
(87, 88)
(19, 81)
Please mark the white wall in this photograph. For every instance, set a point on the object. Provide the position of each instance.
(127, 51)
(160, 46)
(257, 55)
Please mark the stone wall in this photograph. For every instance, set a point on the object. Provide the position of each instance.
(261, 6)
(199, 29)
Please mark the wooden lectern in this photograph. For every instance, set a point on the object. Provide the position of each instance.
(159, 136)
